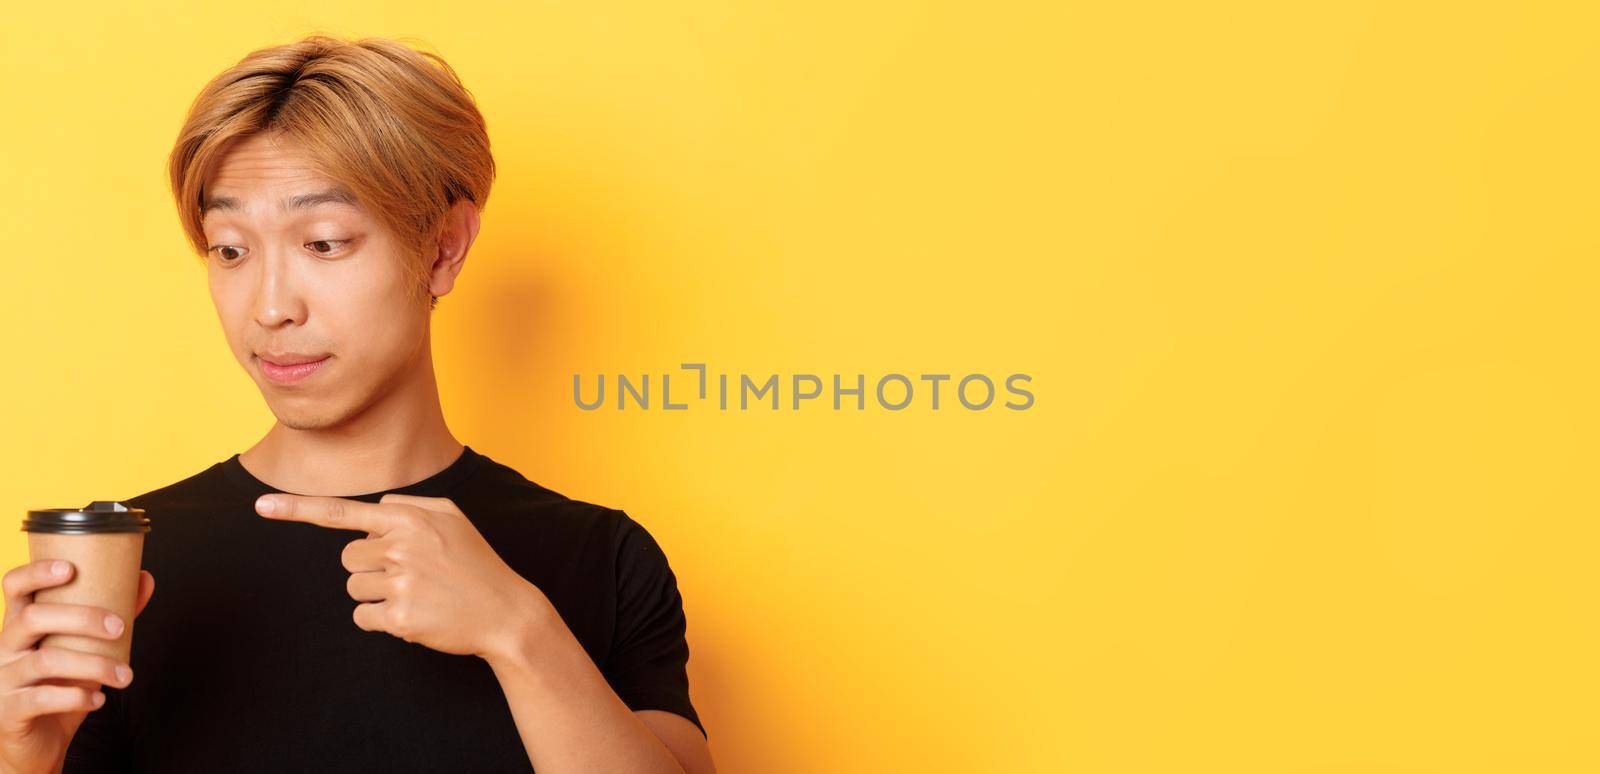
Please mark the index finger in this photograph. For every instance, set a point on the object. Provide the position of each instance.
(335, 512)
(21, 581)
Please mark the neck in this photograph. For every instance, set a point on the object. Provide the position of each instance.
(398, 440)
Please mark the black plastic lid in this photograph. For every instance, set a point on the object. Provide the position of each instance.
(100, 516)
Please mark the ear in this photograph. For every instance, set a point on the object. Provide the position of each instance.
(456, 234)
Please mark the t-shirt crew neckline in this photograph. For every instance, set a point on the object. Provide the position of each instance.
(436, 485)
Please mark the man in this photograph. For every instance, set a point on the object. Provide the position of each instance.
(333, 189)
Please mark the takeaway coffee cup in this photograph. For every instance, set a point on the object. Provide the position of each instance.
(104, 540)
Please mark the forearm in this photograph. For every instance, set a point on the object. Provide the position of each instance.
(569, 719)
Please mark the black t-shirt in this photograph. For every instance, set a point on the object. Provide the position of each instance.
(247, 658)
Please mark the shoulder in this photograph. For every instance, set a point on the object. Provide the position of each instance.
(630, 541)
(498, 488)
(198, 489)
(635, 542)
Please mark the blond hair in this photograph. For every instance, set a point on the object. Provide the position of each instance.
(391, 122)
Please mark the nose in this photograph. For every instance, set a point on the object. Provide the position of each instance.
(278, 300)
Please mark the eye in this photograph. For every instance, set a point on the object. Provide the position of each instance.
(326, 243)
(218, 249)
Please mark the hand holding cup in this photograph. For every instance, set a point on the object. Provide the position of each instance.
(67, 628)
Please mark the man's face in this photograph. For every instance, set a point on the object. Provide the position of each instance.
(313, 280)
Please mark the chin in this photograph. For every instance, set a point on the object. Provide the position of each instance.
(299, 420)
(294, 422)
(308, 417)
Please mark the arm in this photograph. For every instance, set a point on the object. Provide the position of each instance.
(567, 714)
(443, 586)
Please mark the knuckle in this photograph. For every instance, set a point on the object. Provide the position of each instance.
(47, 660)
(400, 516)
(433, 540)
(397, 554)
(38, 697)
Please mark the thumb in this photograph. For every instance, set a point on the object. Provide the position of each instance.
(147, 587)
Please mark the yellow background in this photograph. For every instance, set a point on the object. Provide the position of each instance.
(1307, 292)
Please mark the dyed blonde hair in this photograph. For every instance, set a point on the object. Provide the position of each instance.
(391, 122)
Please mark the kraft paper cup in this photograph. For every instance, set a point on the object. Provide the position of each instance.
(105, 543)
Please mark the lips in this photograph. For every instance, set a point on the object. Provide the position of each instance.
(290, 367)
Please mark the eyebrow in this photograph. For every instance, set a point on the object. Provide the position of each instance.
(334, 195)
